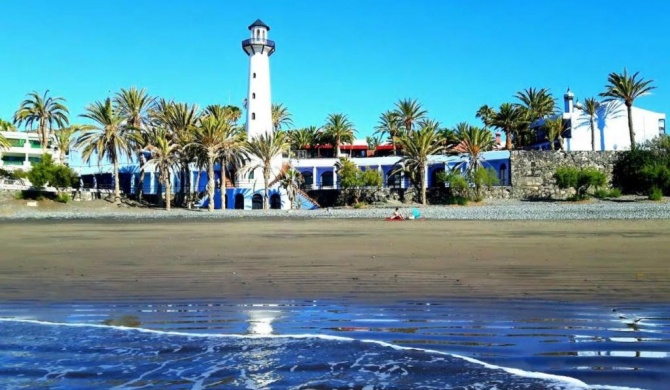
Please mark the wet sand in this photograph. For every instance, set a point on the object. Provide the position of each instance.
(365, 260)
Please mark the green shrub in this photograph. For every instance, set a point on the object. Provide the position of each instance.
(46, 172)
(655, 194)
(458, 185)
(19, 195)
(639, 171)
(615, 193)
(482, 177)
(352, 179)
(601, 193)
(460, 200)
(63, 197)
(581, 180)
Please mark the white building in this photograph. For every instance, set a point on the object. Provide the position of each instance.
(610, 126)
(24, 151)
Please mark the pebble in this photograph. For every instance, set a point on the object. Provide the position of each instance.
(491, 210)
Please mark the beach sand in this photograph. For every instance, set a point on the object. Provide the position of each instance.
(366, 260)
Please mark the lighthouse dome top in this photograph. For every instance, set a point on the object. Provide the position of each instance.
(259, 23)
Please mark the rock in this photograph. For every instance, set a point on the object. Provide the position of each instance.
(31, 203)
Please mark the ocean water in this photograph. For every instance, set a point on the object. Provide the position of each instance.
(460, 344)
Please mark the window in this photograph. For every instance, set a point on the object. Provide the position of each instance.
(253, 95)
(661, 126)
(253, 75)
(253, 115)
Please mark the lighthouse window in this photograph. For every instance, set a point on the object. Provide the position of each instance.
(253, 115)
(253, 95)
(254, 75)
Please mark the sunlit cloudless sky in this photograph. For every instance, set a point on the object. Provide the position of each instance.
(357, 57)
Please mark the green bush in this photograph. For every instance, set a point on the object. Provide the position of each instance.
(353, 179)
(601, 193)
(482, 177)
(63, 197)
(46, 172)
(615, 193)
(581, 180)
(655, 194)
(639, 171)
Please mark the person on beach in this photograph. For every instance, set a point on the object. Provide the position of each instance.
(397, 215)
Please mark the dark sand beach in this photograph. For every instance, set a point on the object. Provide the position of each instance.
(364, 260)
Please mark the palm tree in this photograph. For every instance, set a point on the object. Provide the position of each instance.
(373, 142)
(508, 119)
(410, 113)
(290, 180)
(301, 138)
(208, 140)
(64, 139)
(6, 126)
(590, 108)
(340, 129)
(182, 119)
(45, 111)
(486, 114)
(539, 103)
(135, 107)
(555, 128)
(627, 88)
(232, 153)
(4, 143)
(280, 117)
(266, 147)
(474, 141)
(165, 158)
(417, 146)
(109, 138)
(389, 124)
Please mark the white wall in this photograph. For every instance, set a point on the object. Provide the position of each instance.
(261, 105)
(611, 128)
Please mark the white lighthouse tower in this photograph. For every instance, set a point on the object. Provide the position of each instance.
(259, 100)
(259, 116)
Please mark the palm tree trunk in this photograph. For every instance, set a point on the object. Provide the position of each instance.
(551, 145)
(266, 178)
(140, 190)
(423, 185)
(395, 151)
(197, 181)
(168, 191)
(223, 184)
(117, 191)
(630, 126)
(593, 136)
(210, 183)
(560, 143)
(337, 146)
(508, 139)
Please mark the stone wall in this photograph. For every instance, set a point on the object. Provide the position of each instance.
(532, 171)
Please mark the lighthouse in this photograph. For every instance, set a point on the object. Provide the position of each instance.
(259, 119)
(259, 101)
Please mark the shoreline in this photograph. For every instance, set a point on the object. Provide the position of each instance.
(604, 261)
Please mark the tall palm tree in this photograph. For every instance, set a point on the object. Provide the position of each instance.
(232, 153)
(281, 117)
(64, 140)
(301, 139)
(486, 114)
(290, 179)
(373, 142)
(6, 126)
(182, 121)
(508, 119)
(165, 158)
(266, 147)
(208, 140)
(340, 129)
(109, 138)
(389, 124)
(474, 141)
(627, 88)
(135, 107)
(44, 111)
(555, 129)
(539, 103)
(417, 146)
(590, 108)
(410, 113)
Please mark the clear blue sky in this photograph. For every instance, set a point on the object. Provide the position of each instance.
(357, 57)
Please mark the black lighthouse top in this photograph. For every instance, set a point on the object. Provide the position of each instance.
(259, 23)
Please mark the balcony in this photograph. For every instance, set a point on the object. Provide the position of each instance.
(258, 42)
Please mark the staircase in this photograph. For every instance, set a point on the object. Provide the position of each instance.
(305, 202)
